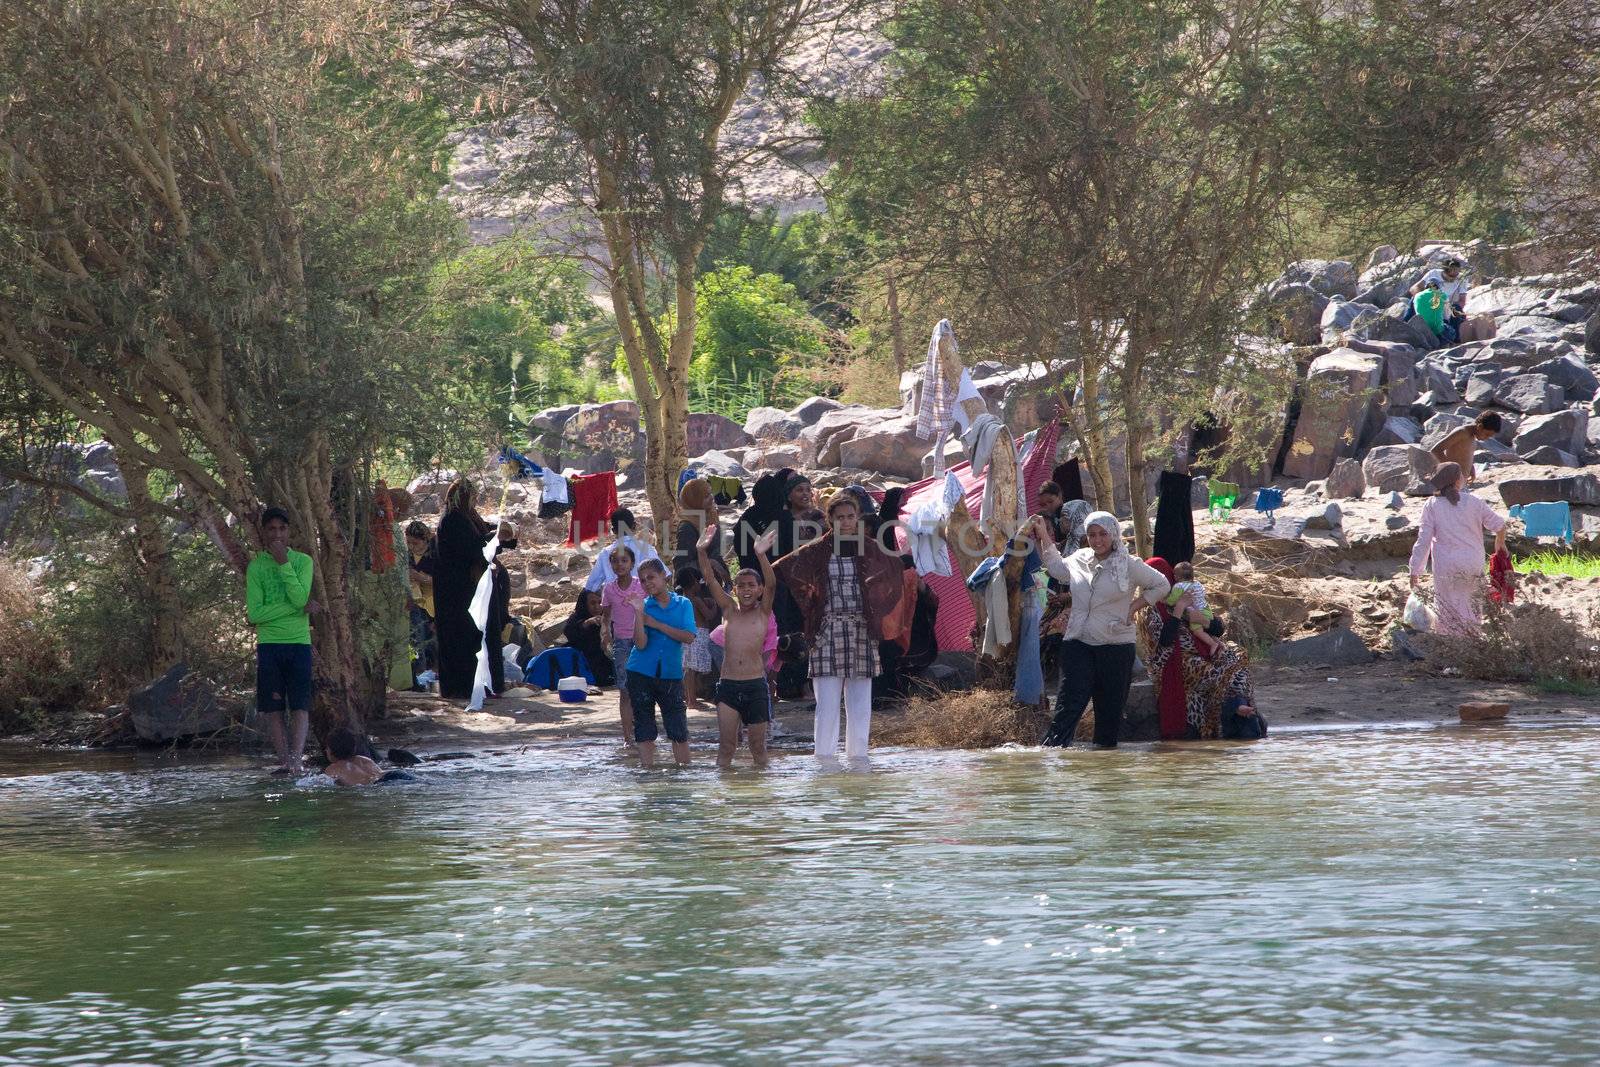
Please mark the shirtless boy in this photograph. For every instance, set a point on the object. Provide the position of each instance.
(344, 766)
(742, 693)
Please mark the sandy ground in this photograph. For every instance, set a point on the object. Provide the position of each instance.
(1381, 694)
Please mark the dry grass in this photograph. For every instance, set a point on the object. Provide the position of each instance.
(34, 679)
(1528, 642)
(980, 718)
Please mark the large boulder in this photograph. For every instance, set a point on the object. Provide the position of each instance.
(1551, 456)
(1381, 255)
(810, 411)
(1341, 317)
(772, 457)
(889, 447)
(1339, 647)
(1505, 301)
(603, 437)
(1580, 490)
(772, 424)
(721, 464)
(710, 432)
(820, 441)
(1529, 326)
(1330, 277)
(1573, 375)
(1396, 328)
(1591, 335)
(1438, 383)
(551, 420)
(1567, 430)
(1397, 430)
(1293, 312)
(1386, 282)
(1338, 412)
(1399, 468)
(177, 704)
(1531, 394)
(1346, 481)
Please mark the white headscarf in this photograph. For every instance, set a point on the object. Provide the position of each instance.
(1117, 561)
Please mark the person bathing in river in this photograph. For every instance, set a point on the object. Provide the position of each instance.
(661, 629)
(277, 600)
(1098, 649)
(620, 602)
(347, 768)
(744, 696)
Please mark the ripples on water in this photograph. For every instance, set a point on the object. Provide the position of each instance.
(1415, 897)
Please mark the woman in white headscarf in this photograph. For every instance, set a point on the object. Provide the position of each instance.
(1097, 652)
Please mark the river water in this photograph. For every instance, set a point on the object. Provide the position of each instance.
(1416, 896)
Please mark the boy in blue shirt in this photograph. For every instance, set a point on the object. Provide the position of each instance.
(655, 666)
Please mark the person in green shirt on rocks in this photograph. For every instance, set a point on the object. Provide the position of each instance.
(278, 602)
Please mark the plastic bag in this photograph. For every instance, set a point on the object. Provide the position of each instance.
(1417, 615)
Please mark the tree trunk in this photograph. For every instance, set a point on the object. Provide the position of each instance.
(155, 569)
(1093, 435)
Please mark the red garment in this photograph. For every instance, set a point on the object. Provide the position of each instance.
(1502, 578)
(594, 498)
(382, 529)
(1173, 702)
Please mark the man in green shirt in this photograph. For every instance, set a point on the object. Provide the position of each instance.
(277, 598)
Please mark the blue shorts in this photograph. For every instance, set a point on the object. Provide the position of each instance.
(283, 678)
(646, 692)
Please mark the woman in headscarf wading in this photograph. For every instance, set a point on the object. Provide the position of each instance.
(1451, 535)
(1098, 649)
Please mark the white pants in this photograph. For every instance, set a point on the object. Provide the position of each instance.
(857, 694)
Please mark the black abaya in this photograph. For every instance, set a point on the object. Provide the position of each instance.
(460, 547)
(1174, 536)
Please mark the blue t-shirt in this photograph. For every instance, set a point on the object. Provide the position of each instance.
(662, 657)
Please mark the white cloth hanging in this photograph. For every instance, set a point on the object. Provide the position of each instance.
(555, 489)
(929, 551)
(479, 611)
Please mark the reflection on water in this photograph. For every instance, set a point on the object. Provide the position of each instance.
(1421, 897)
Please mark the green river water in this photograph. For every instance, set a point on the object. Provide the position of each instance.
(1402, 896)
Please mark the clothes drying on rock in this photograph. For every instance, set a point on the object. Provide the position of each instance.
(526, 468)
(554, 499)
(1546, 519)
(553, 664)
(1224, 495)
(725, 488)
(594, 498)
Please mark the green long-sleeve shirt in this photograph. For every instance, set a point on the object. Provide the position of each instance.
(275, 597)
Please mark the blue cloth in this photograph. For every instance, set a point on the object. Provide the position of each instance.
(1269, 499)
(662, 657)
(1029, 686)
(528, 467)
(689, 474)
(985, 572)
(553, 664)
(1546, 519)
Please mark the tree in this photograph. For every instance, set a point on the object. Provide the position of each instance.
(511, 321)
(218, 235)
(1107, 177)
(624, 110)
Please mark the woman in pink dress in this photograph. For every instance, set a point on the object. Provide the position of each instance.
(1453, 524)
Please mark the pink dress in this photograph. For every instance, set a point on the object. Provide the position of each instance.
(1452, 535)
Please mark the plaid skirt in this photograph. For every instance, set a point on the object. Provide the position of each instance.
(844, 648)
(697, 657)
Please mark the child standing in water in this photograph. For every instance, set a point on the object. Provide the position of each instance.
(743, 696)
(620, 601)
(697, 662)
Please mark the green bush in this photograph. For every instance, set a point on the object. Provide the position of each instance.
(35, 683)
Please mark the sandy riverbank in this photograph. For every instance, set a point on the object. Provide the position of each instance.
(1383, 693)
